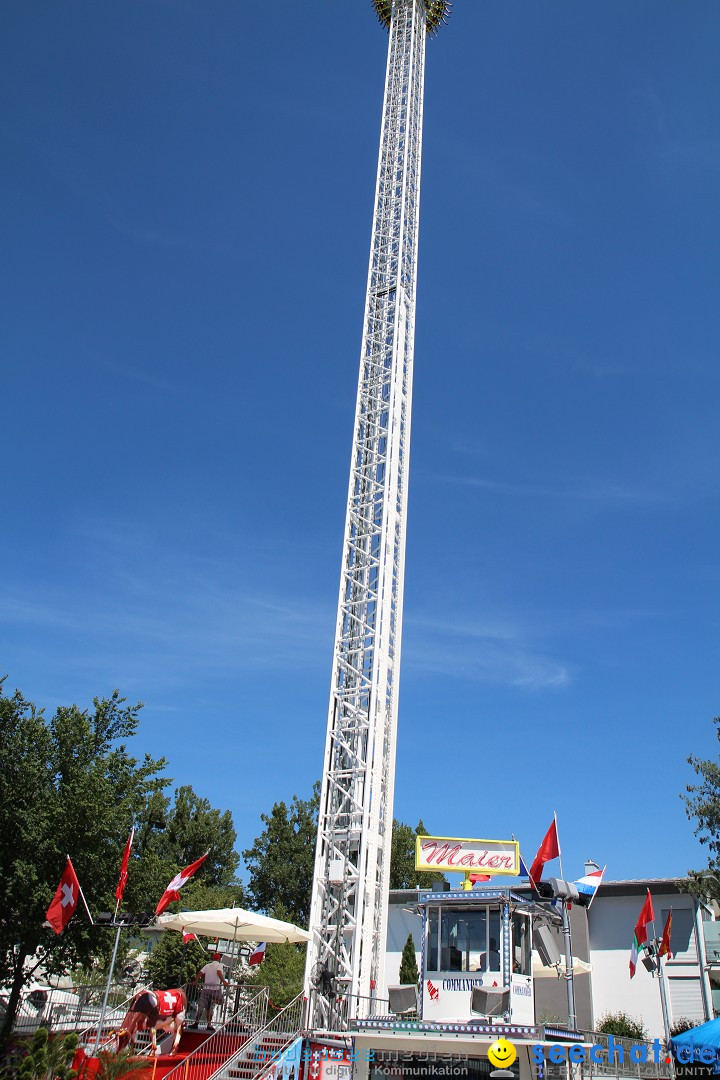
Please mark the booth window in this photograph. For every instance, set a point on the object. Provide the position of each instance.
(463, 939)
(522, 948)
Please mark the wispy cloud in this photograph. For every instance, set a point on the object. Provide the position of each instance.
(614, 494)
(493, 652)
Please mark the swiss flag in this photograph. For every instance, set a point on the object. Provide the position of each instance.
(173, 890)
(65, 900)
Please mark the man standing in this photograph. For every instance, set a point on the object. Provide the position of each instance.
(211, 995)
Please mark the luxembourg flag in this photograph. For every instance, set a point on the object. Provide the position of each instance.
(588, 885)
(259, 955)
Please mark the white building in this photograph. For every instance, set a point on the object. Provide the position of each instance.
(602, 936)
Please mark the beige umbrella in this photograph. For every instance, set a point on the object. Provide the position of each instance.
(234, 924)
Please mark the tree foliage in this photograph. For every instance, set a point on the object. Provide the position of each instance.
(623, 1026)
(68, 785)
(408, 963)
(403, 874)
(702, 803)
(282, 859)
(282, 971)
(173, 963)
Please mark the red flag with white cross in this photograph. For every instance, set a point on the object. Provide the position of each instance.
(173, 890)
(65, 900)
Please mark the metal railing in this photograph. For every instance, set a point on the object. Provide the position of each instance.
(237, 1031)
(627, 1067)
(257, 1056)
(63, 1010)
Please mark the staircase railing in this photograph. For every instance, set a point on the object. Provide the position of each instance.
(267, 1046)
(226, 1042)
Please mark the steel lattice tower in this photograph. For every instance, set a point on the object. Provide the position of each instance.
(352, 862)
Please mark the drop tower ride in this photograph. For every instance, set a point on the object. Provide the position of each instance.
(348, 917)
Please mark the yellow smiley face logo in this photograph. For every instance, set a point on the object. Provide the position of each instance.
(502, 1053)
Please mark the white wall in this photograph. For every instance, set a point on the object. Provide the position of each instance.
(611, 922)
(401, 922)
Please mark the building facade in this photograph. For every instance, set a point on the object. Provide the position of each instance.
(601, 937)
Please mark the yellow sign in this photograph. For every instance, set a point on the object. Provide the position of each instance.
(467, 856)
(502, 1053)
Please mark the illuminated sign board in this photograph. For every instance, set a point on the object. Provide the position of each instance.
(466, 856)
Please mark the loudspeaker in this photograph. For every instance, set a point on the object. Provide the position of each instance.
(490, 1001)
(545, 942)
(403, 999)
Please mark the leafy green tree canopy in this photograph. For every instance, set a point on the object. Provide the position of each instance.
(702, 803)
(403, 874)
(173, 963)
(68, 785)
(623, 1026)
(282, 859)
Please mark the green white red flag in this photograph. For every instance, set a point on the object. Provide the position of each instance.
(640, 937)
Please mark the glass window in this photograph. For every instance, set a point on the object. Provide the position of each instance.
(469, 939)
(521, 950)
(431, 944)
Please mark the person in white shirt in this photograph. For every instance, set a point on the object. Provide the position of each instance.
(214, 980)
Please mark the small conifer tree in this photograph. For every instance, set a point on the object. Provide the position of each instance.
(408, 963)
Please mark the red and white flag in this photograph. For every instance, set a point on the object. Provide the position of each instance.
(65, 900)
(122, 881)
(173, 890)
(187, 937)
(549, 849)
(259, 955)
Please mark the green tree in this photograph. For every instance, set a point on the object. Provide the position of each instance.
(67, 784)
(281, 861)
(623, 1026)
(403, 874)
(702, 803)
(282, 971)
(408, 963)
(169, 834)
(172, 962)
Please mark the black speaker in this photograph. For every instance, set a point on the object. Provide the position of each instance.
(490, 1001)
(403, 999)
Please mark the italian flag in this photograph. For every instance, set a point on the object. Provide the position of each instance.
(640, 936)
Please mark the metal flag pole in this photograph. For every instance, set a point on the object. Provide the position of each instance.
(663, 995)
(569, 983)
(107, 991)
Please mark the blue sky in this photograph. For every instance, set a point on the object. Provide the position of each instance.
(186, 199)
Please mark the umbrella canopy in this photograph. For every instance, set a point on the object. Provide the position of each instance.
(697, 1038)
(234, 924)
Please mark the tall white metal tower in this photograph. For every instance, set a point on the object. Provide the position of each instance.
(352, 862)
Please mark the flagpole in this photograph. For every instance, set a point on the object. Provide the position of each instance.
(663, 997)
(82, 894)
(107, 993)
(557, 837)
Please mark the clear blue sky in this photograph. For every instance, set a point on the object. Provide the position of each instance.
(185, 198)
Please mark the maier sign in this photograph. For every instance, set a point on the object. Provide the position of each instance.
(464, 856)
